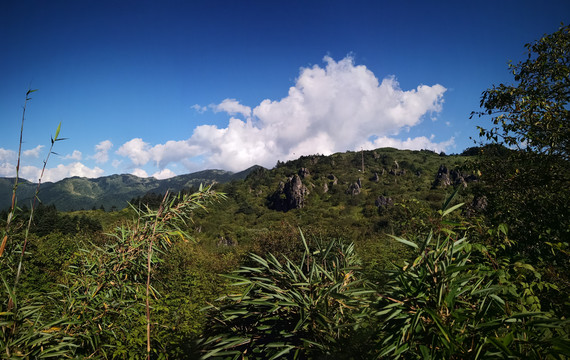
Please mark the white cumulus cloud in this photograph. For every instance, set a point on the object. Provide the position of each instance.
(418, 143)
(7, 169)
(164, 174)
(330, 108)
(7, 155)
(137, 150)
(232, 107)
(33, 173)
(172, 151)
(76, 155)
(102, 151)
(140, 173)
(35, 152)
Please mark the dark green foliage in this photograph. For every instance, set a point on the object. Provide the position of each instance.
(453, 302)
(529, 193)
(305, 309)
(528, 189)
(91, 297)
(534, 114)
(48, 220)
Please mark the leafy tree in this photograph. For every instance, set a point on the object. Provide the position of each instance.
(528, 190)
(535, 112)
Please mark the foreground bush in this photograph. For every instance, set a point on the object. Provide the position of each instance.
(452, 302)
(306, 309)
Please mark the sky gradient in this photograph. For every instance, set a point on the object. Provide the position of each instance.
(163, 88)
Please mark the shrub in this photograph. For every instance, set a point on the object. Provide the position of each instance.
(305, 309)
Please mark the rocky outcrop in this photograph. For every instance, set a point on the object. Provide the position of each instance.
(383, 203)
(477, 206)
(446, 177)
(289, 195)
(226, 241)
(375, 177)
(304, 172)
(397, 172)
(354, 188)
(442, 178)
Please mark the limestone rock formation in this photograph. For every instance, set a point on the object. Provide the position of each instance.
(383, 202)
(446, 177)
(354, 188)
(304, 172)
(375, 177)
(289, 195)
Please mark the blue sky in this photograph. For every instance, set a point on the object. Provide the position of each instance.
(162, 88)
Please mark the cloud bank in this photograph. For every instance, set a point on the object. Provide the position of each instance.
(333, 108)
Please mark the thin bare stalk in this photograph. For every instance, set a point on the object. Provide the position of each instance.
(13, 203)
(26, 236)
(19, 271)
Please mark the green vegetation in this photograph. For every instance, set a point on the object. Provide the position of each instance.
(305, 309)
(534, 113)
(384, 254)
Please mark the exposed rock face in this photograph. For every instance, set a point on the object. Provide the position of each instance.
(355, 188)
(479, 203)
(446, 177)
(375, 177)
(289, 195)
(383, 202)
(397, 172)
(477, 206)
(442, 178)
(304, 172)
(226, 241)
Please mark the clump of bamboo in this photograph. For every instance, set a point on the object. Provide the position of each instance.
(169, 221)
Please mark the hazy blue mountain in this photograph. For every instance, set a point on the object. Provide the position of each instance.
(77, 193)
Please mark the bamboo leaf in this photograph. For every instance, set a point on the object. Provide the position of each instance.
(404, 241)
(57, 131)
(451, 209)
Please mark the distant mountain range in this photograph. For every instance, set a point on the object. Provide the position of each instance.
(113, 191)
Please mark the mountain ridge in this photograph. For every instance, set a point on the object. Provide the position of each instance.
(110, 192)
